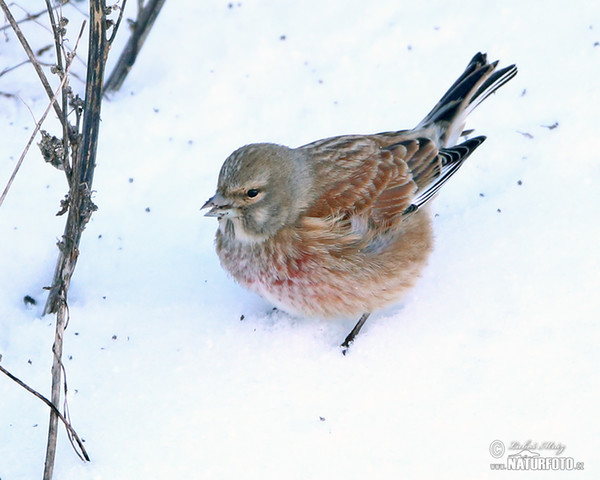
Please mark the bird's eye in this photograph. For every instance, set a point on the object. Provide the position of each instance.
(253, 192)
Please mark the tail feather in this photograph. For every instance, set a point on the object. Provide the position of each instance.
(477, 82)
(450, 160)
(493, 83)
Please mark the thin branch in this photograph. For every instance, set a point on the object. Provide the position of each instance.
(116, 25)
(82, 453)
(25, 62)
(14, 67)
(142, 26)
(57, 38)
(67, 415)
(39, 124)
(43, 64)
(56, 372)
(80, 207)
(34, 61)
(31, 16)
(60, 53)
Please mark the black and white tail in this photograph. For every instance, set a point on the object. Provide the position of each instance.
(479, 80)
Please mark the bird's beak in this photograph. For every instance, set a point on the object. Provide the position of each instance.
(219, 207)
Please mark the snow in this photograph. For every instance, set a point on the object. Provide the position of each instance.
(498, 341)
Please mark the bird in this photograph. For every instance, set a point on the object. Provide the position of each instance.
(342, 226)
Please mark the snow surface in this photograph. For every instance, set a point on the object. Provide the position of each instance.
(498, 341)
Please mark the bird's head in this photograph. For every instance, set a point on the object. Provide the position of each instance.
(261, 188)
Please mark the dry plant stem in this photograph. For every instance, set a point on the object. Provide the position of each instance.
(80, 205)
(82, 452)
(25, 62)
(61, 321)
(61, 318)
(142, 26)
(60, 53)
(14, 67)
(33, 16)
(116, 25)
(33, 59)
(38, 125)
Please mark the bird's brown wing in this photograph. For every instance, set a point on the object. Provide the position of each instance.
(376, 176)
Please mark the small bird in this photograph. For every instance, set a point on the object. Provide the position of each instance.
(341, 226)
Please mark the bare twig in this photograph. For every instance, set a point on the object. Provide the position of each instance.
(28, 18)
(115, 26)
(82, 451)
(14, 67)
(80, 206)
(58, 31)
(67, 414)
(43, 64)
(57, 366)
(80, 174)
(142, 26)
(33, 59)
(31, 16)
(38, 125)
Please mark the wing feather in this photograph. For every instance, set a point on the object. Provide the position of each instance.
(381, 178)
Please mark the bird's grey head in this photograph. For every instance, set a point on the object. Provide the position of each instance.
(261, 188)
